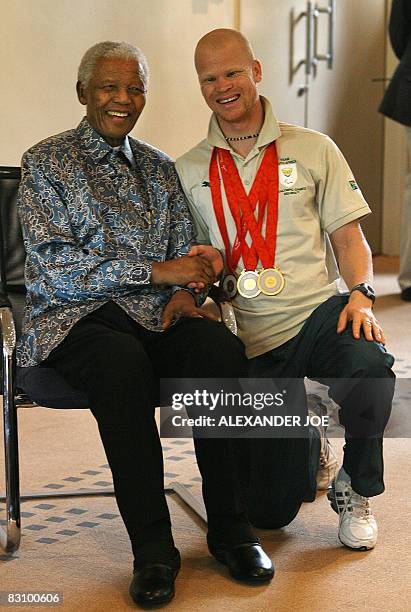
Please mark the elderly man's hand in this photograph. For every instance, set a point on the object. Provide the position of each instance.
(358, 310)
(211, 254)
(183, 270)
(182, 305)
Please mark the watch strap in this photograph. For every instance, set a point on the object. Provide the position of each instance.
(365, 289)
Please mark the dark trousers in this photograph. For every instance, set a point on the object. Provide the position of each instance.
(360, 381)
(118, 364)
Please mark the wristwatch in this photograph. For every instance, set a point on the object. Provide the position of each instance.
(365, 289)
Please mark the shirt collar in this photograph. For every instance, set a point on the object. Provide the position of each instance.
(269, 132)
(126, 149)
(95, 145)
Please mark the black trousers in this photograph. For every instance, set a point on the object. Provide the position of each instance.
(360, 381)
(118, 364)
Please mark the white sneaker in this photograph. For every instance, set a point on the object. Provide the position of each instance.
(358, 528)
(328, 465)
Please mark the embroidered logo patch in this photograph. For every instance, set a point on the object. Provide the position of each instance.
(287, 174)
(353, 185)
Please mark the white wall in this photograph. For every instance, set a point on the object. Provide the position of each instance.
(42, 44)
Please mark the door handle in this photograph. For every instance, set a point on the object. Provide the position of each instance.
(330, 11)
(310, 41)
(308, 62)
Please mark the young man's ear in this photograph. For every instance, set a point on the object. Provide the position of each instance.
(80, 88)
(257, 71)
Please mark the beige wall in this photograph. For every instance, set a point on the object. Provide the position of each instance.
(42, 43)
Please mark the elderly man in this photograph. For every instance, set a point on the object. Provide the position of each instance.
(267, 194)
(107, 233)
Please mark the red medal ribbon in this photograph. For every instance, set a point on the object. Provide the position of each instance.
(264, 191)
(257, 194)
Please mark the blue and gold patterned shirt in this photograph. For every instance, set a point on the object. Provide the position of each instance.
(93, 225)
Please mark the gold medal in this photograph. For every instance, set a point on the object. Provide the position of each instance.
(229, 285)
(247, 284)
(271, 281)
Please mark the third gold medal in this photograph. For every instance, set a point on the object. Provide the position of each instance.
(271, 281)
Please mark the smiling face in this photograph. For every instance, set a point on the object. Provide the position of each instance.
(115, 97)
(228, 78)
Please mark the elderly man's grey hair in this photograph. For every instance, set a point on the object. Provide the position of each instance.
(111, 49)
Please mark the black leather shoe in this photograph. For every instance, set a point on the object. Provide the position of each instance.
(153, 583)
(246, 562)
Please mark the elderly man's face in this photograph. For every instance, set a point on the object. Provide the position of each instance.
(115, 97)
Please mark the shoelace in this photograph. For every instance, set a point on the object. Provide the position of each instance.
(353, 502)
(360, 505)
(326, 459)
(323, 460)
(327, 456)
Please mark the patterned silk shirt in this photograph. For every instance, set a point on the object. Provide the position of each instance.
(93, 225)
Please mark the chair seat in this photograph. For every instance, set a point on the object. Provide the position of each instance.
(46, 387)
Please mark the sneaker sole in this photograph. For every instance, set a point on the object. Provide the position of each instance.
(362, 548)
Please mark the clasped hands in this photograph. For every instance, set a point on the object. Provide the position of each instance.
(200, 268)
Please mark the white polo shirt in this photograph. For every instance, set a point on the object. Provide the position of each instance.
(317, 195)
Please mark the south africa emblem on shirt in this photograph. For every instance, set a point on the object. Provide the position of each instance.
(287, 174)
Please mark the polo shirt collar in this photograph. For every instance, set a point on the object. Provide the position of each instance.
(269, 132)
(95, 145)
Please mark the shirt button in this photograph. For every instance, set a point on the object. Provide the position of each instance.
(247, 181)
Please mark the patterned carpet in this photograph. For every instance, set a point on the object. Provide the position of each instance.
(60, 518)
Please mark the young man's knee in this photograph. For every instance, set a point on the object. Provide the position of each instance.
(274, 518)
(369, 360)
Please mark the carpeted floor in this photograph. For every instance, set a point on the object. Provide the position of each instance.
(79, 547)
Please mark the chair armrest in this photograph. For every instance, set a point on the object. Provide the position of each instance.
(8, 331)
(228, 316)
(225, 307)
